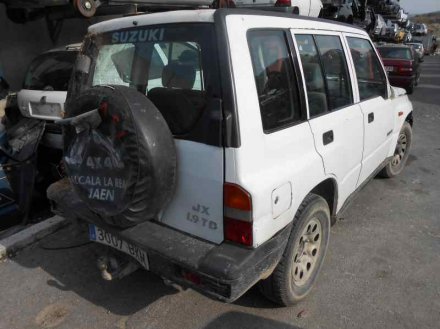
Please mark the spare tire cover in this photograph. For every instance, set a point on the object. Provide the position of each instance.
(124, 165)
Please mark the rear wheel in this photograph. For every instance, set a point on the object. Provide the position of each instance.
(403, 147)
(298, 269)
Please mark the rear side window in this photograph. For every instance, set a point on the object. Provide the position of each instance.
(325, 73)
(337, 80)
(50, 71)
(274, 78)
(370, 75)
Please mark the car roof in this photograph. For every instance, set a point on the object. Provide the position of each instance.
(207, 15)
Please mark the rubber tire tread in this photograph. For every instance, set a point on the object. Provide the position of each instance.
(274, 287)
(386, 171)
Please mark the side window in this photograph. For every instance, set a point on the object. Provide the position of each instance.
(370, 75)
(313, 75)
(334, 64)
(274, 78)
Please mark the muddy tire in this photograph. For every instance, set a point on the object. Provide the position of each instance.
(121, 160)
(298, 269)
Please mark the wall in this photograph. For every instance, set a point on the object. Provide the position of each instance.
(20, 43)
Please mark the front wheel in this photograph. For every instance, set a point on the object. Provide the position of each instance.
(401, 153)
(298, 269)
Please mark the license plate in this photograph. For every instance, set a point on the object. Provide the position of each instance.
(100, 235)
(389, 68)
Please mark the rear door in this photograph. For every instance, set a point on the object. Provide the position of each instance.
(177, 69)
(376, 106)
(336, 121)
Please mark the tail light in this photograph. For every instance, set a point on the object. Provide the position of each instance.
(237, 214)
(405, 70)
(283, 3)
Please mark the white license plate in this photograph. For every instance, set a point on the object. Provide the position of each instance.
(389, 68)
(100, 235)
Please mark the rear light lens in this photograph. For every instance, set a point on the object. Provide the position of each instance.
(405, 69)
(238, 226)
(283, 3)
(236, 197)
(238, 231)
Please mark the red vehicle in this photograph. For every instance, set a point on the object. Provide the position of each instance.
(402, 64)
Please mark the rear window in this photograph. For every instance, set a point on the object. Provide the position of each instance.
(174, 65)
(395, 53)
(50, 71)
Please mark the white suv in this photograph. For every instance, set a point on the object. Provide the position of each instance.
(234, 179)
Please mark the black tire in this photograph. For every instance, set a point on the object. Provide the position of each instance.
(123, 166)
(410, 89)
(401, 154)
(285, 286)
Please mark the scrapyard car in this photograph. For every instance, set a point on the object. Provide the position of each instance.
(45, 89)
(226, 164)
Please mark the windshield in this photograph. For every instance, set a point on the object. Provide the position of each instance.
(50, 71)
(395, 53)
(174, 65)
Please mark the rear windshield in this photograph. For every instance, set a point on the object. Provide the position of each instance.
(50, 71)
(395, 53)
(174, 65)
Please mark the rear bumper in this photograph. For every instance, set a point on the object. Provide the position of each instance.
(401, 81)
(223, 272)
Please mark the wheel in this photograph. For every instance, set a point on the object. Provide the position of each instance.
(86, 8)
(120, 156)
(298, 269)
(410, 89)
(403, 147)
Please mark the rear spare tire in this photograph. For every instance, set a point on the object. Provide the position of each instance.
(121, 160)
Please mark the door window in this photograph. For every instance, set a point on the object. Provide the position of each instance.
(325, 73)
(313, 75)
(275, 79)
(369, 72)
(337, 80)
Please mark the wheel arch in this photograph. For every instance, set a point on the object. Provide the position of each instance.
(328, 189)
(409, 118)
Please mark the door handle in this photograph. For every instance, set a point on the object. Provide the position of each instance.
(327, 137)
(370, 117)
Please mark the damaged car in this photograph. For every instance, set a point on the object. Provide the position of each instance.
(220, 167)
(45, 89)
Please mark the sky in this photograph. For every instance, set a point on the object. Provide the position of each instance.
(420, 6)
